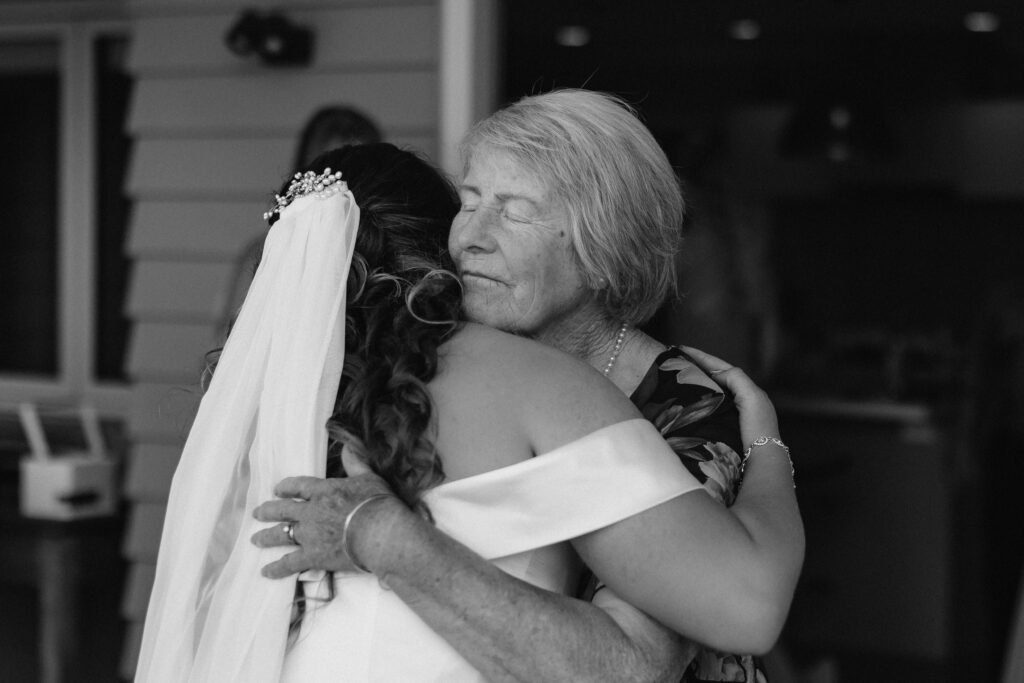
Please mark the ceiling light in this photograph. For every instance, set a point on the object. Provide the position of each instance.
(745, 29)
(572, 36)
(981, 22)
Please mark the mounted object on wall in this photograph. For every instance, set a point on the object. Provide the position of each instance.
(73, 484)
(272, 37)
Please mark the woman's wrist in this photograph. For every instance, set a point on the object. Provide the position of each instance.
(367, 535)
(764, 440)
(347, 529)
(766, 446)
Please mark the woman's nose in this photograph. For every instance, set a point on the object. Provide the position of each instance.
(474, 230)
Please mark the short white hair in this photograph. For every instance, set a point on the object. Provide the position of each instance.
(624, 200)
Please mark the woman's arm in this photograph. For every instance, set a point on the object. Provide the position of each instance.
(732, 589)
(741, 566)
(737, 589)
(506, 628)
(766, 505)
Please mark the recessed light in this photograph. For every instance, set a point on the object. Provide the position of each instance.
(745, 29)
(981, 22)
(572, 36)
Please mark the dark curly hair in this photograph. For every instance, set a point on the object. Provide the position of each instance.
(403, 302)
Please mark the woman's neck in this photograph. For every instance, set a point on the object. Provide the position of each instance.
(589, 338)
(592, 338)
(638, 353)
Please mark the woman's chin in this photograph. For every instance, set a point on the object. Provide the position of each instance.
(490, 312)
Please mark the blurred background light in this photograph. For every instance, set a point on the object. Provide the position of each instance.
(981, 22)
(572, 36)
(745, 29)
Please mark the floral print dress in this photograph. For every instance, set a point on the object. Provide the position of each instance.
(702, 427)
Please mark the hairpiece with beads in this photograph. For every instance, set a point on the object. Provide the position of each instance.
(322, 185)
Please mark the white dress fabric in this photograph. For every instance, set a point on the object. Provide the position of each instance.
(520, 517)
(212, 616)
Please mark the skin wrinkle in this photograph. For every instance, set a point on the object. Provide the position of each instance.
(519, 246)
(510, 242)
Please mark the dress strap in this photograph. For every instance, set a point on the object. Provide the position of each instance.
(602, 478)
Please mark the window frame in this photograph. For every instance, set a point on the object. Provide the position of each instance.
(75, 381)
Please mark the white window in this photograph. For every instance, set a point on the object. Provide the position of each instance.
(63, 271)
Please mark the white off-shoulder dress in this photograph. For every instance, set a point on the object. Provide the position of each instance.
(519, 517)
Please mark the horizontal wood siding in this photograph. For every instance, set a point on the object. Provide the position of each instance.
(170, 352)
(215, 136)
(200, 291)
(198, 169)
(195, 231)
(347, 38)
(235, 169)
(280, 102)
(162, 413)
(143, 536)
(150, 468)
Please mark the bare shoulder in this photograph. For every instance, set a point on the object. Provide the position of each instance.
(478, 348)
(555, 397)
(523, 364)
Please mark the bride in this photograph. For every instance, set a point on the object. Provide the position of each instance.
(519, 452)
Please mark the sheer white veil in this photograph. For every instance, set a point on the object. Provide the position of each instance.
(212, 616)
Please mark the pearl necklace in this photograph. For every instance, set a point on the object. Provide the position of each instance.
(616, 350)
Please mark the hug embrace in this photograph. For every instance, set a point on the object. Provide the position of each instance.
(436, 445)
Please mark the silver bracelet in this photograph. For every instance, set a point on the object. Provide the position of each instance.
(345, 526)
(764, 441)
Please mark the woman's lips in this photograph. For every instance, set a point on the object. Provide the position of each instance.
(479, 276)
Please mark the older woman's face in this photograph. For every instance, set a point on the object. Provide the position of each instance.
(511, 245)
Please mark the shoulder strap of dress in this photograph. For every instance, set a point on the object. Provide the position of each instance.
(590, 483)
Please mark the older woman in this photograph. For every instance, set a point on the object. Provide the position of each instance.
(567, 234)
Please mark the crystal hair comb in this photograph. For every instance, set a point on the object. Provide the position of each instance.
(322, 185)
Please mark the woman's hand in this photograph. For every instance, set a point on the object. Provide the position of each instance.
(316, 509)
(757, 414)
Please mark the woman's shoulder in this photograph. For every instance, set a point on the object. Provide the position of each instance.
(556, 396)
(480, 348)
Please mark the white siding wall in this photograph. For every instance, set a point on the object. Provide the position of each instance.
(214, 136)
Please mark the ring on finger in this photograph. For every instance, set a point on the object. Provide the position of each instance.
(289, 530)
(719, 372)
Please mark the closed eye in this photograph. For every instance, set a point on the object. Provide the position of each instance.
(501, 211)
(515, 218)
